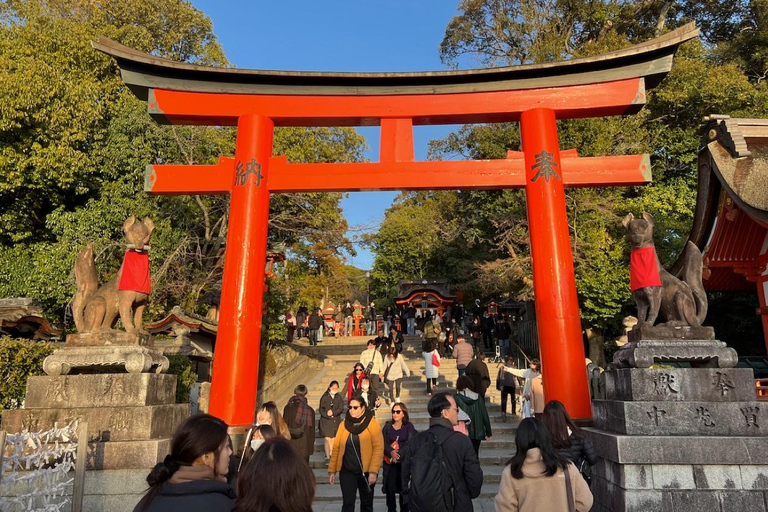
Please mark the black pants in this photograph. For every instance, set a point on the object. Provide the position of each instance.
(393, 487)
(476, 446)
(351, 483)
(392, 503)
(488, 339)
(375, 383)
(507, 391)
(430, 382)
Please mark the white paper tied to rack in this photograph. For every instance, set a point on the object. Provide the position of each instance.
(36, 469)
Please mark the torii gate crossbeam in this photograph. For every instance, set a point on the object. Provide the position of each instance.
(257, 101)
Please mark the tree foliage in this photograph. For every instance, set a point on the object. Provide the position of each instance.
(19, 359)
(74, 143)
(484, 233)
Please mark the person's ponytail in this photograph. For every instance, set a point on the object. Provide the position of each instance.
(195, 437)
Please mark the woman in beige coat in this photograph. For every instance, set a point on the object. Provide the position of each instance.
(537, 479)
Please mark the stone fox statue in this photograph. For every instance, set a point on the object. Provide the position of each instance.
(97, 308)
(680, 302)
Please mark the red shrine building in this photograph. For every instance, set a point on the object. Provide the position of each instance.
(425, 295)
(730, 223)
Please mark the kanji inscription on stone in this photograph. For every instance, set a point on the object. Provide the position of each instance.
(546, 165)
(705, 417)
(57, 391)
(243, 171)
(656, 415)
(723, 383)
(750, 415)
(664, 384)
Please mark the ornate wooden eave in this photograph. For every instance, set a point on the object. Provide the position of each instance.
(178, 316)
(649, 62)
(730, 222)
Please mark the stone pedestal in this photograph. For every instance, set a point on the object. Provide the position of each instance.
(131, 417)
(680, 439)
(106, 351)
(659, 344)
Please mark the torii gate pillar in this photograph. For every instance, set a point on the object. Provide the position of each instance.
(236, 364)
(256, 101)
(554, 281)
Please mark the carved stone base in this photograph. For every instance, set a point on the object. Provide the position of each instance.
(700, 353)
(133, 359)
(100, 390)
(109, 338)
(680, 384)
(668, 332)
(104, 423)
(665, 418)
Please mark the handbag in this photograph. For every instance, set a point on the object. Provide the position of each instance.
(585, 470)
(569, 491)
(435, 360)
(527, 409)
(395, 446)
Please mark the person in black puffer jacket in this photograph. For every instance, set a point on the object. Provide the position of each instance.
(193, 477)
(568, 439)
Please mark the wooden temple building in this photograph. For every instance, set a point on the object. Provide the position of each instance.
(730, 223)
(425, 295)
(24, 318)
(184, 333)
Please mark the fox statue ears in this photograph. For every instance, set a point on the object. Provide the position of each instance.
(629, 218)
(130, 221)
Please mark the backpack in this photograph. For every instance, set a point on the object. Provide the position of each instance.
(432, 488)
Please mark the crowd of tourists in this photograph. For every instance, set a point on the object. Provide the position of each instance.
(485, 330)
(433, 470)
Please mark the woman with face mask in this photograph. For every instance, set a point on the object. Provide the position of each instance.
(253, 441)
(358, 451)
(369, 394)
(331, 409)
(193, 477)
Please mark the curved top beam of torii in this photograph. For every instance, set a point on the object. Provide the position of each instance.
(181, 93)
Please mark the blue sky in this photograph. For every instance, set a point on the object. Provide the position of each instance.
(331, 35)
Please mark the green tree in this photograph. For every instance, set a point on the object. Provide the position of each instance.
(74, 144)
(715, 77)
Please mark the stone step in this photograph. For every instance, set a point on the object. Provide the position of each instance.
(491, 475)
(502, 441)
(341, 355)
(325, 493)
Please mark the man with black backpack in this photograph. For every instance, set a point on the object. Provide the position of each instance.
(440, 470)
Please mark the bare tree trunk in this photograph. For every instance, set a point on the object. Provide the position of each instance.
(663, 18)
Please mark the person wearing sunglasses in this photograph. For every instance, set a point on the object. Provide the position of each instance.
(357, 454)
(396, 432)
(355, 381)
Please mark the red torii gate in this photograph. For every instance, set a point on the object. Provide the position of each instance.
(257, 101)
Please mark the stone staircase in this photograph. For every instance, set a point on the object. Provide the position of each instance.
(344, 353)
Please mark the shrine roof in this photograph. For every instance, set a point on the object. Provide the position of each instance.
(730, 222)
(439, 287)
(24, 318)
(650, 60)
(178, 316)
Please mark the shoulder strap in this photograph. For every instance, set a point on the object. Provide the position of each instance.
(442, 452)
(569, 490)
